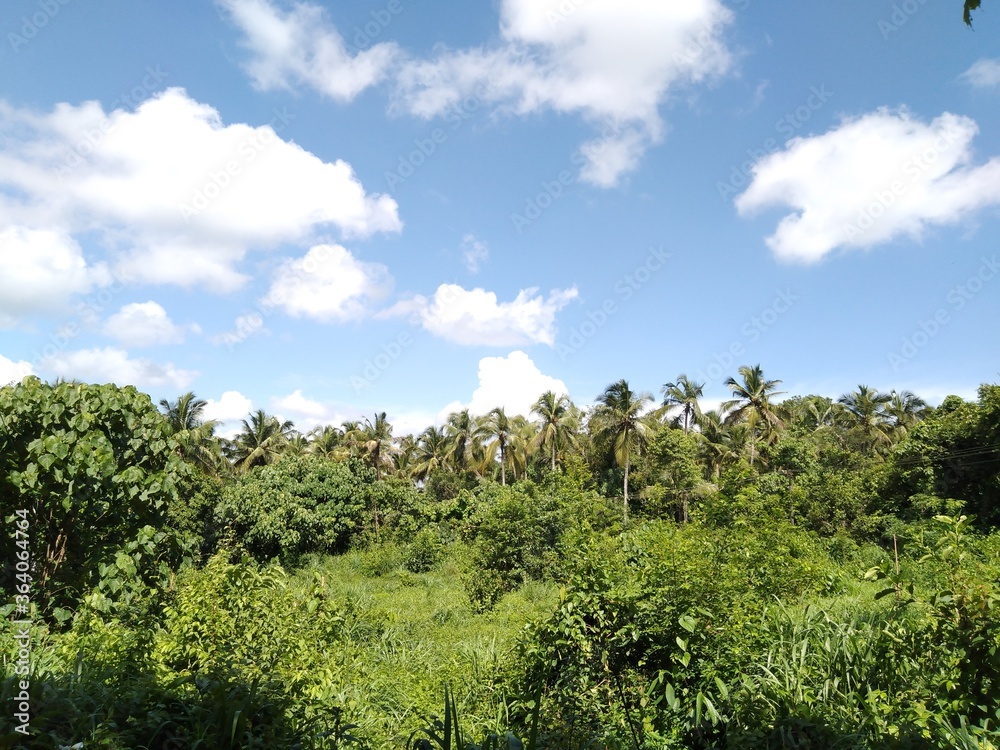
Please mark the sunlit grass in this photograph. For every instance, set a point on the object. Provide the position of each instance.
(407, 635)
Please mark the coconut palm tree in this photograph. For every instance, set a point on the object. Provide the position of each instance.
(753, 405)
(519, 445)
(353, 436)
(431, 452)
(712, 443)
(462, 431)
(185, 413)
(328, 442)
(685, 394)
(905, 410)
(815, 413)
(866, 413)
(618, 424)
(260, 442)
(496, 425)
(195, 434)
(298, 444)
(559, 422)
(406, 449)
(377, 444)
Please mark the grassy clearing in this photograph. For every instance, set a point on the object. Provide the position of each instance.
(406, 635)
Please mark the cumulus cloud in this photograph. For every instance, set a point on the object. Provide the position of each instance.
(298, 404)
(40, 269)
(513, 382)
(869, 181)
(414, 422)
(231, 405)
(613, 62)
(13, 372)
(143, 324)
(476, 317)
(179, 194)
(306, 413)
(301, 47)
(328, 284)
(984, 74)
(110, 365)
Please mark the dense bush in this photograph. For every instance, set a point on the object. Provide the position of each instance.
(669, 605)
(89, 467)
(296, 506)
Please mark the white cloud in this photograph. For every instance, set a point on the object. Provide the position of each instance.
(302, 47)
(476, 318)
(614, 62)
(231, 407)
(870, 181)
(328, 283)
(111, 365)
(609, 157)
(304, 412)
(180, 195)
(474, 252)
(143, 324)
(13, 372)
(299, 405)
(414, 422)
(39, 270)
(984, 73)
(513, 382)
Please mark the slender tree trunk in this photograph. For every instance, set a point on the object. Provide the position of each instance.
(553, 456)
(503, 466)
(625, 490)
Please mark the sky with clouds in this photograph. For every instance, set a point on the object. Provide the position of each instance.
(327, 209)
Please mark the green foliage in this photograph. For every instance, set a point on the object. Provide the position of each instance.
(655, 620)
(953, 454)
(672, 474)
(193, 513)
(425, 552)
(738, 614)
(383, 559)
(446, 485)
(521, 532)
(446, 734)
(970, 5)
(296, 506)
(93, 466)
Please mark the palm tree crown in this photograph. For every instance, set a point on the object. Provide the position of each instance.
(753, 404)
(260, 442)
(497, 425)
(195, 434)
(617, 423)
(377, 443)
(866, 412)
(559, 423)
(685, 394)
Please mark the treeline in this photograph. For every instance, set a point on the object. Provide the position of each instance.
(889, 453)
(782, 572)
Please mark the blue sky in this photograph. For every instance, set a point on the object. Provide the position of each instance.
(331, 209)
